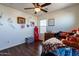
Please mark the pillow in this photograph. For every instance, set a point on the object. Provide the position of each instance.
(72, 38)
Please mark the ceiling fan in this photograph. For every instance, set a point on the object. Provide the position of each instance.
(37, 7)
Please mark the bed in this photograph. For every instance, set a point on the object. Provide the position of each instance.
(55, 47)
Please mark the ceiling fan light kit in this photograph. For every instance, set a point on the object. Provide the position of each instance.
(37, 9)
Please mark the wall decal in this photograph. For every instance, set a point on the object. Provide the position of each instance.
(10, 20)
(1, 14)
(27, 25)
(22, 26)
(10, 23)
(12, 26)
(1, 24)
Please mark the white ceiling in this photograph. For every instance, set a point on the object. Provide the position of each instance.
(50, 8)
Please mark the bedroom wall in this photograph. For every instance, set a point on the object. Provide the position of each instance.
(11, 33)
(66, 19)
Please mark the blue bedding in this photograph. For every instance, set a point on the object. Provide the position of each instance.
(66, 51)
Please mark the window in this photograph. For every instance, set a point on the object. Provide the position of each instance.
(43, 24)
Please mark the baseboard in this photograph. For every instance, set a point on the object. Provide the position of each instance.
(11, 46)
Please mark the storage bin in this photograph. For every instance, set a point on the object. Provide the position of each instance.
(29, 40)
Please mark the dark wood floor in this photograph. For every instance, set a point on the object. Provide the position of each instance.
(34, 49)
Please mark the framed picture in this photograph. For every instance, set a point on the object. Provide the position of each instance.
(21, 20)
(32, 23)
(51, 22)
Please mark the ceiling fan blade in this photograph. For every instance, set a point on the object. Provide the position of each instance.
(46, 4)
(29, 8)
(44, 10)
(35, 5)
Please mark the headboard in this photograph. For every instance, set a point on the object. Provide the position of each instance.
(48, 36)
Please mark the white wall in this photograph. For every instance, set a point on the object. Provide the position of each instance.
(65, 19)
(9, 35)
